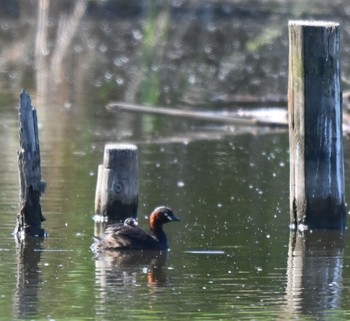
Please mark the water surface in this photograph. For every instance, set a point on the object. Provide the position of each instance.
(232, 255)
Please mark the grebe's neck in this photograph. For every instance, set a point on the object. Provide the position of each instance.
(160, 236)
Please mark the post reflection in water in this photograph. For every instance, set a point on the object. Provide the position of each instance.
(315, 265)
(25, 301)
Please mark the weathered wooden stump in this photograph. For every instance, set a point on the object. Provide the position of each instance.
(29, 217)
(117, 183)
(315, 126)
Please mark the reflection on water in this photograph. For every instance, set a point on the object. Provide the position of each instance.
(119, 263)
(230, 257)
(123, 273)
(165, 53)
(29, 277)
(315, 272)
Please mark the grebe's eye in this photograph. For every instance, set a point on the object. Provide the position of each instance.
(168, 216)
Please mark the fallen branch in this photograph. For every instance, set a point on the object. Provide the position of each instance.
(226, 119)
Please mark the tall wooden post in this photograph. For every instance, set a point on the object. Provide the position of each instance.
(29, 217)
(117, 182)
(315, 126)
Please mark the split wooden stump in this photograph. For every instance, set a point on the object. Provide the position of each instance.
(315, 126)
(116, 195)
(30, 216)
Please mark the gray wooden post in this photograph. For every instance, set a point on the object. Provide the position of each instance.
(315, 126)
(29, 217)
(117, 182)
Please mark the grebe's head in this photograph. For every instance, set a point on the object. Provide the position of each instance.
(130, 221)
(160, 216)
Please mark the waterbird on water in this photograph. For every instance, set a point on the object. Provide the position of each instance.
(129, 236)
(130, 221)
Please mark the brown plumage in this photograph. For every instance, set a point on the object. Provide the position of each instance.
(130, 236)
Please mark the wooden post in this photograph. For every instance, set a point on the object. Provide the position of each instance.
(315, 126)
(29, 217)
(117, 182)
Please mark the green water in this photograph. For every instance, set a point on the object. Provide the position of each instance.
(232, 255)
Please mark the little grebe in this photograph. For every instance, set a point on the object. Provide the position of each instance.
(130, 236)
(130, 221)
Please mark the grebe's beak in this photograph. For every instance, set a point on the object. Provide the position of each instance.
(173, 218)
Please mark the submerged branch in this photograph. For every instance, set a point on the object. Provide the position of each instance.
(259, 117)
(239, 119)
